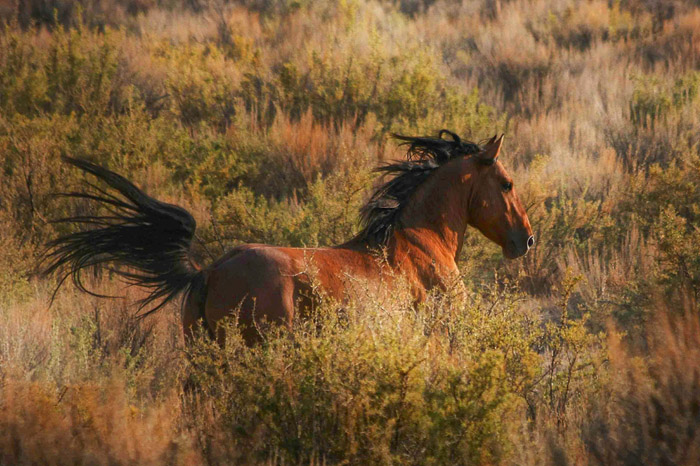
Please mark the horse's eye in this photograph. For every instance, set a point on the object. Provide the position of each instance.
(507, 187)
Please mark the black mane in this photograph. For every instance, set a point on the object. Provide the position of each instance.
(381, 213)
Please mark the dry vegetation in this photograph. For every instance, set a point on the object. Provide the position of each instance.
(264, 118)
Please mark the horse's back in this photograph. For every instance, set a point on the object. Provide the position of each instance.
(260, 283)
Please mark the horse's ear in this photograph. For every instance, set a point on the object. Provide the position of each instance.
(491, 151)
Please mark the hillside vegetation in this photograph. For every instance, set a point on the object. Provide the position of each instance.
(265, 118)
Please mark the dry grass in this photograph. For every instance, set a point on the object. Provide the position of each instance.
(652, 414)
(264, 119)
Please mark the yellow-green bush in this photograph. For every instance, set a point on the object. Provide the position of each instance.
(380, 382)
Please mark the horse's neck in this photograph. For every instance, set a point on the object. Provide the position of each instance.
(432, 227)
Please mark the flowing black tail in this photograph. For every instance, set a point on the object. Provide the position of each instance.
(146, 239)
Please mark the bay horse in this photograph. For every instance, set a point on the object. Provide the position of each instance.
(416, 220)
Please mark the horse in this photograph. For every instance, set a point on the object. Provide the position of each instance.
(413, 225)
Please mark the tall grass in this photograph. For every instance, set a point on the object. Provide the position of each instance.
(265, 119)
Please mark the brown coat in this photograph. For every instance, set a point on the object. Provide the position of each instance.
(261, 282)
(414, 230)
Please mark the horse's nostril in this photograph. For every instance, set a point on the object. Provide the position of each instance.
(530, 242)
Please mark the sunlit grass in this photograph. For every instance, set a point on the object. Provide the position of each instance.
(265, 120)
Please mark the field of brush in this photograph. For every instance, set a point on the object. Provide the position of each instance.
(265, 118)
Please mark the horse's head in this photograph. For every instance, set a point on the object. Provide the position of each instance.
(423, 195)
(495, 208)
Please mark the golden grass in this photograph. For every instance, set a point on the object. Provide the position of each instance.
(264, 119)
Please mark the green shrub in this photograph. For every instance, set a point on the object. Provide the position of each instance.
(379, 382)
(355, 387)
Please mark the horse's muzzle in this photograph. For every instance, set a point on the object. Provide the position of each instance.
(518, 243)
